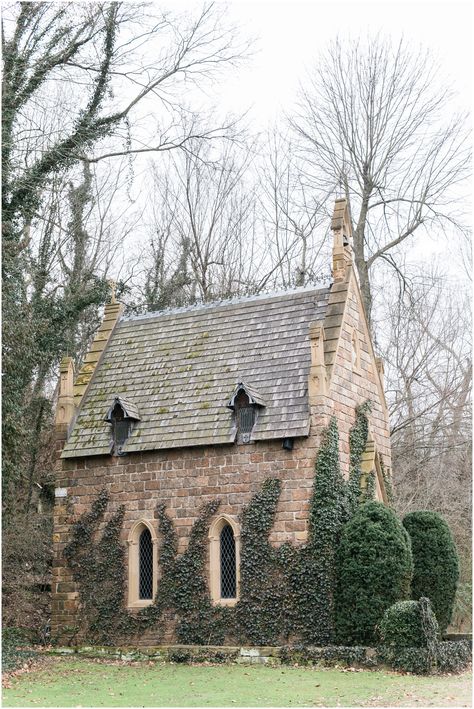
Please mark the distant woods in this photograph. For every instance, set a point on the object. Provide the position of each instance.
(116, 165)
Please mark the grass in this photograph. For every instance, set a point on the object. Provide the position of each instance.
(61, 682)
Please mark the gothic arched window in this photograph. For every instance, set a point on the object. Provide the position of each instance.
(228, 567)
(142, 564)
(224, 561)
(145, 565)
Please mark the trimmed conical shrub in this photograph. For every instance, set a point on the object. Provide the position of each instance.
(374, 571)
(435, 561)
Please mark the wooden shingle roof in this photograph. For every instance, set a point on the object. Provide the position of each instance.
(179, 368)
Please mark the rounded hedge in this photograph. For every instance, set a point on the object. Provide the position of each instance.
(374, 570)
(401, 625)
(404, 625)
(435, 561)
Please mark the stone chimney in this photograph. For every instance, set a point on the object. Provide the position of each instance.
(65, 406)
(342, 235)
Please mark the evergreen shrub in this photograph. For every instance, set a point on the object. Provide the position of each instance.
(450, 657)
(406, 659)
(435, 561)
(374, 569)
(401, 625)
(454, 656)
(410, 624)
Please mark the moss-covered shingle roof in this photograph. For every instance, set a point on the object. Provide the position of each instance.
(179, 369)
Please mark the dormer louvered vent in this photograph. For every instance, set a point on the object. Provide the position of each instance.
(122, 415)
(245, 402)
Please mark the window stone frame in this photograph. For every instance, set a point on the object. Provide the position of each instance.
(133, 542)
(215, 559)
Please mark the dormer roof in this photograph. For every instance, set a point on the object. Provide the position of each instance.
(129, 409)
(253, 395)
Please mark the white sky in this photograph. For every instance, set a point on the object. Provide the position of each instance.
(290, 35)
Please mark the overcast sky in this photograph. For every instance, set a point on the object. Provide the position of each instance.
(290, 34)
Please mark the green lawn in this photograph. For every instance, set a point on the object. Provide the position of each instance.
(69, 682)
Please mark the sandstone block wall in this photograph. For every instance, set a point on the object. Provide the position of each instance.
(182, 479)
(352, 385)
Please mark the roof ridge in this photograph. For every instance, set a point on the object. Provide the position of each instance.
(236, 300)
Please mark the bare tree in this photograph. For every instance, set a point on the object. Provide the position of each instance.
(165, 279)
(97, 49)
(292, 214)
(76, 77)
(203, 244)
(373, 125)
(429, 375)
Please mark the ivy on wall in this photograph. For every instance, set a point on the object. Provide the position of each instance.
(328, 511)
(99, 571)
(358, 435)
(285, 592)
(260, 613)
(183, 588)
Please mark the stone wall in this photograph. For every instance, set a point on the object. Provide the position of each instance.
(64, 593)
(182, 479)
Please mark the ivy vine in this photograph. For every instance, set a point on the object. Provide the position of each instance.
(183, 587)
(328, 512)
(260, 613)
(358, 436)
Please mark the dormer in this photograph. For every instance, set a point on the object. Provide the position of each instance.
(122, 415)
(245, 402)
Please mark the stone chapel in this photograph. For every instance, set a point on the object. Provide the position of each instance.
(186, 405)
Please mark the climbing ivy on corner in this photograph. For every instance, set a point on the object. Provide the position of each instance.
(358, 436)
(328, 512)
(99, 571)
